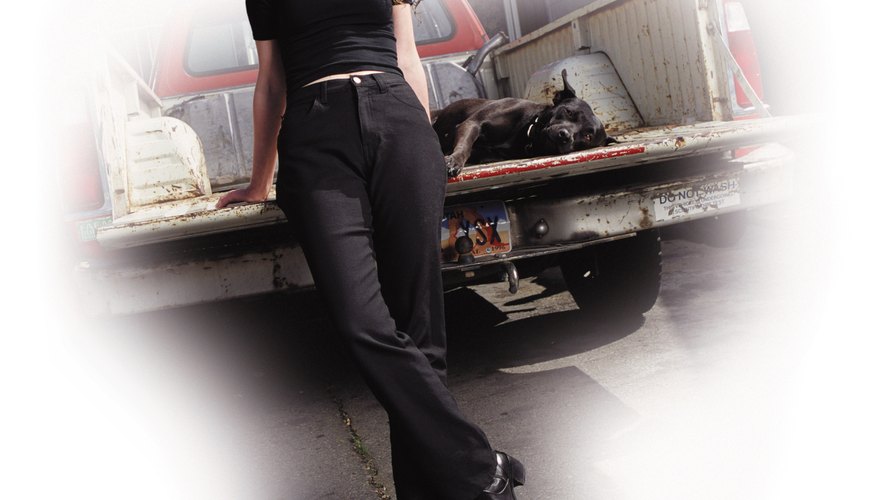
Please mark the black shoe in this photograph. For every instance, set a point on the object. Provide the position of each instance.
(509, 473)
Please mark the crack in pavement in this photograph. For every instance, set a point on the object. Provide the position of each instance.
(365, 457)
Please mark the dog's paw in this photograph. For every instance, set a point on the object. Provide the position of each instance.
(453, 165)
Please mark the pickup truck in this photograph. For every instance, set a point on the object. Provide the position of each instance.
(675, 81)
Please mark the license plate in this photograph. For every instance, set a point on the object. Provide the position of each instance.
(486, 224)
(697, 199)
(88, 228)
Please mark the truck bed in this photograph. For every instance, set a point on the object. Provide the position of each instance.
(182, 219)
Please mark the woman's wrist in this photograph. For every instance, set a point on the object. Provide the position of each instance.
(257, 192)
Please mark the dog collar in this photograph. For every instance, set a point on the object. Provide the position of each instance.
(529, 145)
(530, 128)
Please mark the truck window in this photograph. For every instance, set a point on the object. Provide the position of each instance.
(222, 47)
(432, 23)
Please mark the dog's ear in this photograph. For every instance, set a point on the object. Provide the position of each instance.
(566, 93)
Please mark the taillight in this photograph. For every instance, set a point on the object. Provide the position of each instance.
(80, 178)
(742, 46)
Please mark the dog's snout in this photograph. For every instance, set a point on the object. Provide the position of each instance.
(564, 135)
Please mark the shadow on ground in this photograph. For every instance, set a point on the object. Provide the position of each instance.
(274, 368)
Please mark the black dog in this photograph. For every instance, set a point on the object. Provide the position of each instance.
(482, 130)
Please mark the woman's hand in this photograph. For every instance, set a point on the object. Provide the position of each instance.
(247, 194)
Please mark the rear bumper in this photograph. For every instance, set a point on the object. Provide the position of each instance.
(761, 178)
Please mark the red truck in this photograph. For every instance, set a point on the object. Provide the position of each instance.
(675, 81)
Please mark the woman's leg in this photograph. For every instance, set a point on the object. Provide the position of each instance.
(327, 186)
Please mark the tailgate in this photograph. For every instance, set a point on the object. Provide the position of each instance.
(183, 219)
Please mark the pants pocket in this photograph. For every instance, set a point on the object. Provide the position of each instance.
(405, 94)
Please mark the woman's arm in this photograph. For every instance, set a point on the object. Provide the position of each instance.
(269, 104)
(406, 52)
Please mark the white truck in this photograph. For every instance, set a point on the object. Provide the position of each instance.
(675, 81)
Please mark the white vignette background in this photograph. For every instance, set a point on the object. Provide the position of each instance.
(64, 437)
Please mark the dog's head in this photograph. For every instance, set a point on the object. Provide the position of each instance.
(569, 125)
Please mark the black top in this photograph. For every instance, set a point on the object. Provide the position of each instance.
(324, 37)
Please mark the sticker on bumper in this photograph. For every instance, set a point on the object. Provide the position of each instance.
(697, 199)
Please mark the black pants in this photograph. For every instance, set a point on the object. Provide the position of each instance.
(362, 180)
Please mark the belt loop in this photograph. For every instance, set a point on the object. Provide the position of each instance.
(382, 86)
(322, 99)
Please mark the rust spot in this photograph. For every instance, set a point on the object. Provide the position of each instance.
(278, 279)
(645, 221)
(680, 142)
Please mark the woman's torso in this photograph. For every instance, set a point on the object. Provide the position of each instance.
(324, 37)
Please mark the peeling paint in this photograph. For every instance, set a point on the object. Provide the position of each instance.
(508, 168)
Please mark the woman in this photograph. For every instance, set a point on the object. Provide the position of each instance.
(341, 96)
